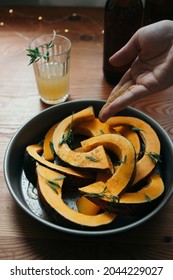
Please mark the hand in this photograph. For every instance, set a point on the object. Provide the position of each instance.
(151, 51)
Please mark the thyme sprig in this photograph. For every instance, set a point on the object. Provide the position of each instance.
(35, 55)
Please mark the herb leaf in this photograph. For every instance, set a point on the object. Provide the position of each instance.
(113, 198)
(35, 55)
(53, 185)
(135, 128)
(101, 131)
(67, 138)
(124, 159)
(147, 197)
(60, 178)
(92, 159)
(154, 157)
(51, 147)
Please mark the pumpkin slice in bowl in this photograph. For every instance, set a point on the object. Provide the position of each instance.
(134, 203)
(47, 144)
(33, 156)
(50, 184)
(123, 148)
(150, 139)
(62, 136)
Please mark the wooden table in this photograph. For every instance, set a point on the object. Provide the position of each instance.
(22, 237)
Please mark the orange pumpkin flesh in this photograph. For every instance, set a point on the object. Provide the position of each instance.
(86, 206)
(96, 158)
(47, 150)
(152, 144)
(131, 135)
(92, 127)
(123, 148)
(34, 150)
(128, 203)
(110, 190)
(51, 199)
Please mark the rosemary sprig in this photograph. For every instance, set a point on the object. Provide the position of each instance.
(113, 198)
(35, 55)
(68, 137)
(97, 195)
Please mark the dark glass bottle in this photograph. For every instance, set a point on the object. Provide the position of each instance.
(156, 10)
(121, 21)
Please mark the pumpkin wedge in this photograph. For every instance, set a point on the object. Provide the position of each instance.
(47, 148)
(131, 135)
(50, 184)
(33, 154)
(123, 148)
(152, 144)
(93, 127)
(86, 206)
(96, 158)
(128, 203)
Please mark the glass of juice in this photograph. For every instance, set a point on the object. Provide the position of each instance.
(51, 66)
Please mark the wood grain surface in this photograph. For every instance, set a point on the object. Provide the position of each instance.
(22, 237)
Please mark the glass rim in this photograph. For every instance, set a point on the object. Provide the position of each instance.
(50, 35)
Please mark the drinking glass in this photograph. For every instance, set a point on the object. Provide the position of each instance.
(51, 67)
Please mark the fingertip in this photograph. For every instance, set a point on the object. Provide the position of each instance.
(102, 116)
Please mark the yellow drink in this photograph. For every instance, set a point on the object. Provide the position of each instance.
(51, 66)
(52, 83)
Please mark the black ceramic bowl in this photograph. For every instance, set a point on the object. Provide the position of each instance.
(34, 130)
